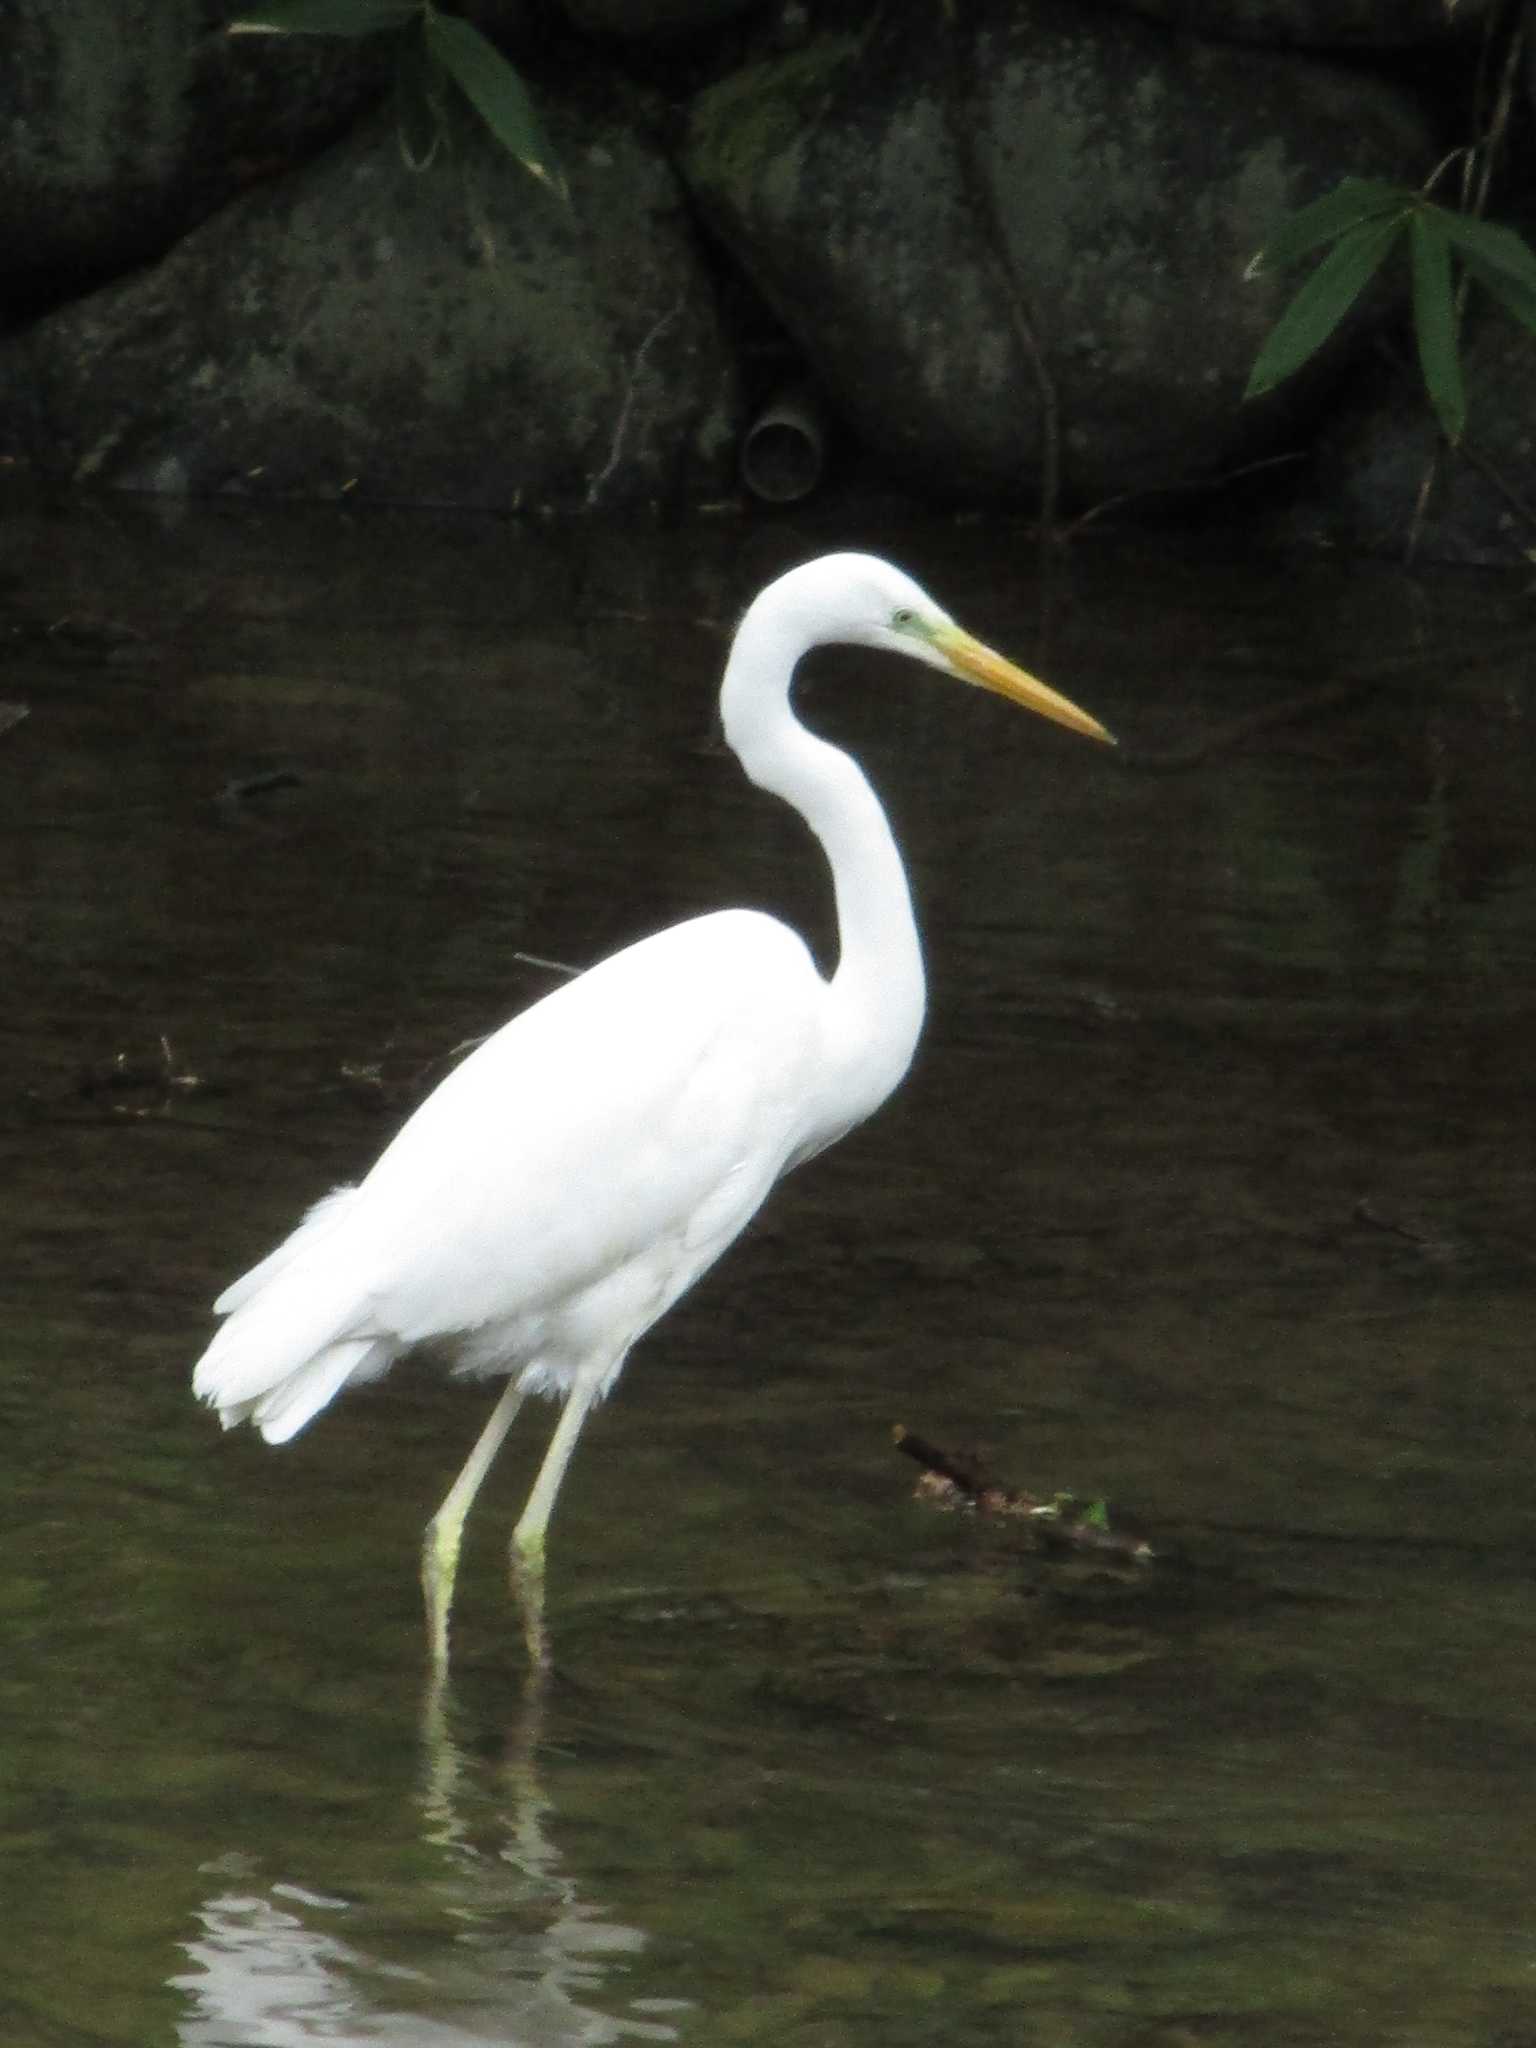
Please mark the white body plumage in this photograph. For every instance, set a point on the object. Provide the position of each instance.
(581, 1168)
(560, 1188)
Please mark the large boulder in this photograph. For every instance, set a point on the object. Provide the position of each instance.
(1326, 24)
(127, 121)
(1051, 221)
(1384, 479)
(454, 334)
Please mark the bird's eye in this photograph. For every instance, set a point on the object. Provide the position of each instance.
(904, 620)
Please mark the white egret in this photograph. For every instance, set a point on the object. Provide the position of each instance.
(582, 1167)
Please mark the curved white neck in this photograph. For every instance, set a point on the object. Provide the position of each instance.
(878, 990)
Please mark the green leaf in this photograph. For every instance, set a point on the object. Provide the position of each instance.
(1517, 299)
(1434, 320)
(1494, 248)
(326, 17)
(1351, 203)
(495, 91)
(1323, 301)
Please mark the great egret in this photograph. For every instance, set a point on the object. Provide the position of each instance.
(582, 1167)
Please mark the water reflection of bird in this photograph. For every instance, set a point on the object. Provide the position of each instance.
(500, 1940)
(564, 1185)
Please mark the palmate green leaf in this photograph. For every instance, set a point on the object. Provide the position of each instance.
(325, 17)
(1323, 301)
(1434, 320)
(1353, 202)
(495, 91)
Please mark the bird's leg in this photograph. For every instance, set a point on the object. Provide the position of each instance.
(528, 1537)
(440, 1541)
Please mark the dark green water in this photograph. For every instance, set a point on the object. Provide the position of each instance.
(1211, 1192)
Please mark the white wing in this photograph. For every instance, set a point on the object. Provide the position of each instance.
(560, 1188)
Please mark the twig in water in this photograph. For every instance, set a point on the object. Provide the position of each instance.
(550, 966)
(959, 1480)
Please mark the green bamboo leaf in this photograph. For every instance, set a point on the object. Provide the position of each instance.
(495, 91)
(1434, 321)
(1351, 203)
(325, 17)
(1494, 247)
(1323, 301)
(1517, 298)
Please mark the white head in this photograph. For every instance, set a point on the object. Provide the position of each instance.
(857, 599)
(863, 601)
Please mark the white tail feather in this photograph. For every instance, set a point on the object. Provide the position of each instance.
(322, 1218)
(296, 1331)
(283, 1412)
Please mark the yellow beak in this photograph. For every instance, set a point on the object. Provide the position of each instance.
(975, 663)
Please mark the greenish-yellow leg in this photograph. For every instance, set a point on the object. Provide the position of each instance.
(440, 1542)
(528, 1536)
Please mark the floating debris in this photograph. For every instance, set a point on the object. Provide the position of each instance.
(953, 1480)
